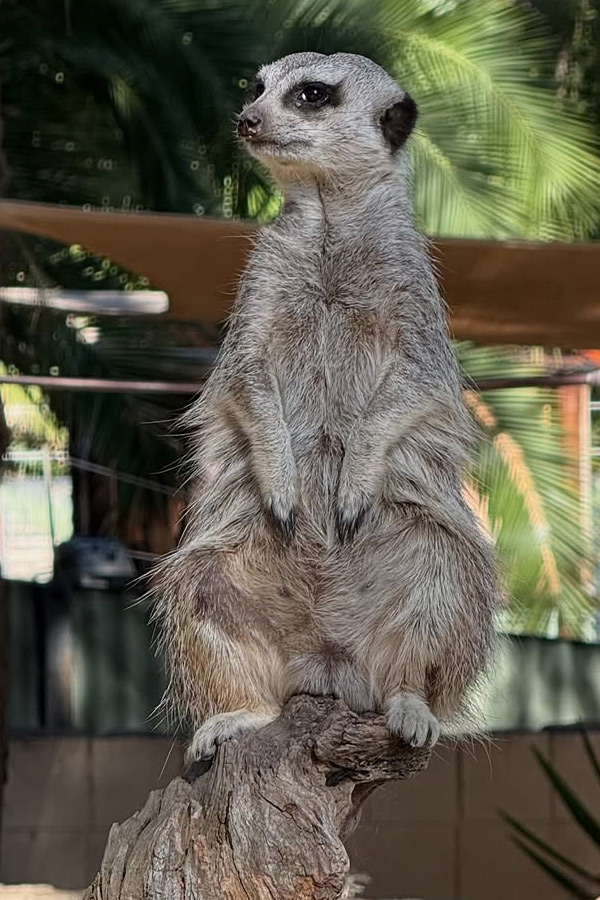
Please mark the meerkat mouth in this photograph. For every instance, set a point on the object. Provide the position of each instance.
(271, 147)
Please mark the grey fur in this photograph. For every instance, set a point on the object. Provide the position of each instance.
(329, 548)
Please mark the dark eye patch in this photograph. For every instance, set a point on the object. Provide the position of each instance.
(258, 88)
(312, 95)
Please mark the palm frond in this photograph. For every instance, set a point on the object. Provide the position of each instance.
(573, 887)
(527, 481)
(480, 72)
(551, 851)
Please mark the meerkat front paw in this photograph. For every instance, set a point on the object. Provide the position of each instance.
(409, 717)
(223, 727)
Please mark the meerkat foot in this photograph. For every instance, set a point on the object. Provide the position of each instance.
(355, 886)
(223, 727)
(410, 718)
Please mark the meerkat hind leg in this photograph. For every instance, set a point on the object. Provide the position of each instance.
(225, 666)
(409, 717)
(225, 726)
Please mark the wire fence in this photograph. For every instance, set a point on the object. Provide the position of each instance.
(36, 508)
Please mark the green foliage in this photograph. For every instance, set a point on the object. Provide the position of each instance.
(575, 879)
(36, 426)
(129, 102)
(525, 481)
(494, 154)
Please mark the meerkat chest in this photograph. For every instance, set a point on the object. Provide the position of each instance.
(332, 305)
(330, 279)
(330, 330)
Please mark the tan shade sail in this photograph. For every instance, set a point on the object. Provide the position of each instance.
(529, 293)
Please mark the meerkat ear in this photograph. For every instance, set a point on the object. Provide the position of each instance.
(398, 121)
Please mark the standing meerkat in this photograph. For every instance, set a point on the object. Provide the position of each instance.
(328, 548)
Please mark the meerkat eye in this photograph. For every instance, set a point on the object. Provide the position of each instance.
(314, 94)
(259, 89)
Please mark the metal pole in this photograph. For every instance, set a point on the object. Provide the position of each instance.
(47, 468)
(103, 385)
(117, 386)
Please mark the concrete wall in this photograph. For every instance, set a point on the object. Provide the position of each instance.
(438, 837)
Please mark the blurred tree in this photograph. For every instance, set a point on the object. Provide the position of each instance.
(130, 104)
(577, 25)
(525, 486)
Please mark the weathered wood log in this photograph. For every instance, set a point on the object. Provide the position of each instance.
(265, 821)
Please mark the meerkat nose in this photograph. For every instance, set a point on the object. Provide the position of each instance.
(249, 125)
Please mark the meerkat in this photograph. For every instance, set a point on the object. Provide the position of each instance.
(329, 548)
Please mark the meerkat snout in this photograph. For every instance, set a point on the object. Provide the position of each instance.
(249, 125)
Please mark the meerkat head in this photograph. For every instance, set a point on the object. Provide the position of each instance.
(317, 116)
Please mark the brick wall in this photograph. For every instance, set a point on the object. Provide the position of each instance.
(62, 795)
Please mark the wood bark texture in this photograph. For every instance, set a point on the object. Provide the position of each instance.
(266, 820)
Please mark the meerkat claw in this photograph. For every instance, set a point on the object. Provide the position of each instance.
(347, 528)
(347, 524)
(284, 523)
(410, 718)
(223, 727)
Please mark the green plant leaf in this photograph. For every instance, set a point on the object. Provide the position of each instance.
(594, 762)
(525, 480)
(575, 889)
(571, 801)
(551, 851)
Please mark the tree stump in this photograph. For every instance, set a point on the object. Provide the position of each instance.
(266, 820)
